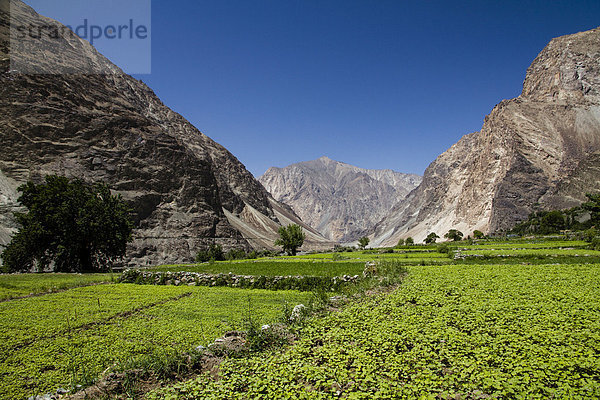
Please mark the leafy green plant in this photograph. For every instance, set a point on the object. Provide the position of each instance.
(291, 238)
(70, 225)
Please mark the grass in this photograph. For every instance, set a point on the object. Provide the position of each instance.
(18, 285)
(62, 339)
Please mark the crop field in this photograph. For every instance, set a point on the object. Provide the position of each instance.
(550, 244)
(454, 331)
(61, 339)
(273, 268)
(533, 252)
(18, 285)
(485, 327)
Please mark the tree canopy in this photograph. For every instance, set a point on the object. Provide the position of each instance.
(291, 238)
(70, 225)
(454, 234)
(431, 238)
(363, 242)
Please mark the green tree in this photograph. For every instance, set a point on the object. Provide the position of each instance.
(400, 243)
(290, 238)
(477, 234)
(431, 238)
(593, 207)
(214, 253)
(454, 234)
(409, 241)
(552, 222)
(78, 227)
(363, 242)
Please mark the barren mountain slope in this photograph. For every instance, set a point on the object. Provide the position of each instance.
(536, 148)
(339, 200)
(187, 190)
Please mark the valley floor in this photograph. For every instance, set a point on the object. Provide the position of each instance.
(491, 319)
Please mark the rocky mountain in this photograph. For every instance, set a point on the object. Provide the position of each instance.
(103, 125)
(339, 200)
(541, 148)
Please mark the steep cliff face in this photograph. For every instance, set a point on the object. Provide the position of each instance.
(339, 200)
(537, 148)
(187, 190)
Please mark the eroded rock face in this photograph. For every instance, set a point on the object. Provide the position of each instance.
(339, 200)
(540, 147)
(111, 127)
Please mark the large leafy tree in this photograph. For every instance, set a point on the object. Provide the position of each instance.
(290, 238)
(454, 234)
(70, 225)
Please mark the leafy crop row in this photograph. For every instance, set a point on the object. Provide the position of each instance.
(72, 337)
(457, 331)
(533, 252)
(273, 268)
(18, 285)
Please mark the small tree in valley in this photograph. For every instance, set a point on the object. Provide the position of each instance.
(454, 234)
(431, 238)
(477, 234)
(291, 238)
(363, 242)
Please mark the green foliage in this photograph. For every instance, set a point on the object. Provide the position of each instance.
(409, 241)
(291, 237)
(72, 225)
(363, 242)
(503, 332)
(477, 234)
(443, 248)
(68, 338)
(239, 254)
(273, 268)
(593, 207)
(214, 253)
(431, 238)
(19, 285)
(454, 235)
(400, 243)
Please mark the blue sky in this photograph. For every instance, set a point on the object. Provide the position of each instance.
(377, 84)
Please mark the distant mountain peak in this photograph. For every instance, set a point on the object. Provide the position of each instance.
(339, 200)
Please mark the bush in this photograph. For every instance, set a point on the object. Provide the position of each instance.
(214, 253)
(443, 248)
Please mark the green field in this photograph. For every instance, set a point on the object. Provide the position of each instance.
(485, 327)
(61, 339)
(533, 252)
(18, 285)
(272, 268)
(456, 331)
(537, 244)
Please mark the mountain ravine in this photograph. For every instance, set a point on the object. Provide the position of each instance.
(103, 125)
(541, 148)
(339, 200)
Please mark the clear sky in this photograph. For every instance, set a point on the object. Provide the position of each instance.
(377, 84)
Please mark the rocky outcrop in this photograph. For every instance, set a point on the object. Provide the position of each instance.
(539, 148)
(187, 190)
(339, 200)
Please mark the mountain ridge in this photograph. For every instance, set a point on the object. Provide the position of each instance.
(524, 154)
(187, 190)
(338, 199)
